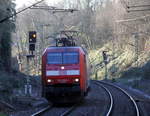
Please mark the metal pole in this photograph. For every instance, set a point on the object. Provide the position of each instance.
(28, 87)
(28, 81)
(136, 48)
(96, 75)
(106, 71)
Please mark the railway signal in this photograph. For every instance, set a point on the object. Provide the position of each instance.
(31, 47)
(32, 36)
(105, 59)
(32, 40)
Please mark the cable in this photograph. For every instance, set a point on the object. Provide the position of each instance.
(146, 33)
(5, 19)
(138, 10)
(54, 9)
(128, 20)
(139, 6)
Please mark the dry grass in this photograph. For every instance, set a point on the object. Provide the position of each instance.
(120, 61)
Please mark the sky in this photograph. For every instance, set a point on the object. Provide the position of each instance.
(20, 3)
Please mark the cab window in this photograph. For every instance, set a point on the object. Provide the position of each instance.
(63, 58)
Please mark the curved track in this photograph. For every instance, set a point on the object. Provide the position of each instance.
(124, 104)
(108, 112)
(118, 103)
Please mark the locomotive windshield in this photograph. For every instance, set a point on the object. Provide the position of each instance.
(63, 58)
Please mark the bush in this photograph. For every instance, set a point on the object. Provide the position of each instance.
(132, 72)
(146, 71)
(9, 82)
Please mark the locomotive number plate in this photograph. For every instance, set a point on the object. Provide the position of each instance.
(62, 80)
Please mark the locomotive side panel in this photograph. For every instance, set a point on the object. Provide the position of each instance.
(83, 72)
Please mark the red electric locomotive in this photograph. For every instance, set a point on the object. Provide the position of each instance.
(65, 73)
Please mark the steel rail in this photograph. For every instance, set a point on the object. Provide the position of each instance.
(9, 106)
(41, 111)
(126, 93)
(67, 112)
(110, 96)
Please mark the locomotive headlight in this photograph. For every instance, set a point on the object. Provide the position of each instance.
(49, 80)
(76, 80)
(62, 67)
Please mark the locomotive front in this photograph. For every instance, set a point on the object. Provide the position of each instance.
(64, 72)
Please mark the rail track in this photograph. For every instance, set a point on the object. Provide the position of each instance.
(68, 111)
(110, 89)
(7, 105)
(49, 108)
(108, 112)
(120, 103)
(43, 110)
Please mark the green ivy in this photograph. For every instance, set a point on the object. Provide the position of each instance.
(2, 114)
(6, 28)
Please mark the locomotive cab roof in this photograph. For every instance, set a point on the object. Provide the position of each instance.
(67, 48)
